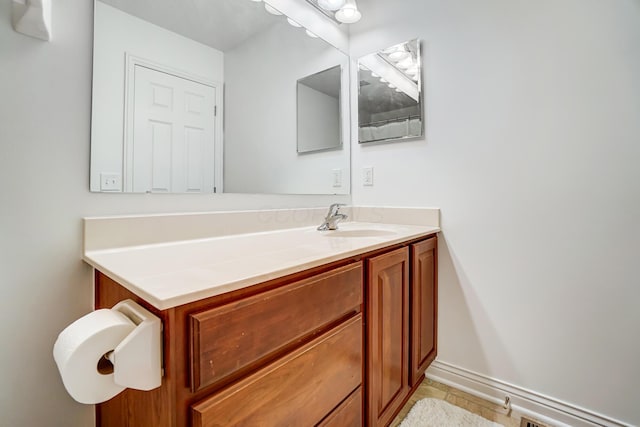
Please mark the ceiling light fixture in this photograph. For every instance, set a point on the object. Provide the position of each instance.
(349, 13)
(293, 23)
(310, 34)
(331, 4)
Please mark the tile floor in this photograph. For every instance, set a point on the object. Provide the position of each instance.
(488, 410)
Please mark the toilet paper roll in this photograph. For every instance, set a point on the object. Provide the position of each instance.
(82, 345)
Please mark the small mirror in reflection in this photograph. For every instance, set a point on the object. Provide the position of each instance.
(319, 111)
(390, 95)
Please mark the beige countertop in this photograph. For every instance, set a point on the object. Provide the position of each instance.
(179, 272)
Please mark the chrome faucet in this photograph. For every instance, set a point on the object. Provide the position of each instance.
(333, 217)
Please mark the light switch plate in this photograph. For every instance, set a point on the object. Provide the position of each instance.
(337, 177)
(110, 182)
(367, 176)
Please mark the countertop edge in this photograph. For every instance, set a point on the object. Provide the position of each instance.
(219, 289)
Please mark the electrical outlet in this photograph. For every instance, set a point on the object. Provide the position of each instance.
(110, 182)
(367, 176)
(337, 177)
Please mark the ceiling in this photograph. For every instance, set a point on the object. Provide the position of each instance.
(221, 24)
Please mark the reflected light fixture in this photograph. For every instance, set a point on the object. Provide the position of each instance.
(399, 55)
(393, 48)
(331, 4)
(405, 63)
(349, 13)
(271, 9)
(413, 69)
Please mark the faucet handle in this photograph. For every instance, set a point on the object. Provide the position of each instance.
(332, 218)
(334, 208)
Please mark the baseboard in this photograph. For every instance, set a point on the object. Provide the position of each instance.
(545, 409)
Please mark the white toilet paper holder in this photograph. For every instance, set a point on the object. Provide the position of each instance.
(137, 360)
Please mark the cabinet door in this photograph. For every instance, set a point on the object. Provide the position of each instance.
(387, 335)
(424, 307)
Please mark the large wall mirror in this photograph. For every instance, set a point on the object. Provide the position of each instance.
(203, 96)
(390, 106)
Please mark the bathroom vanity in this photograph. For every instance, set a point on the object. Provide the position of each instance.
(334, 332)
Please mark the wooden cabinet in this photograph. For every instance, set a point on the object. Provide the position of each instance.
(401, 326)
(284, 352)
(299, 389)
(341, 345)
(424, 307)
(259, 326)
(348, 414)
(387, 335)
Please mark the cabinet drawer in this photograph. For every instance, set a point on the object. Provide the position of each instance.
(348, 414)
(241, 335)
(298, 389)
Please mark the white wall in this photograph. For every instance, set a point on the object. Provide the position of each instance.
(532, 152)
(118, 33)
(44, 165)
(260, 115)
